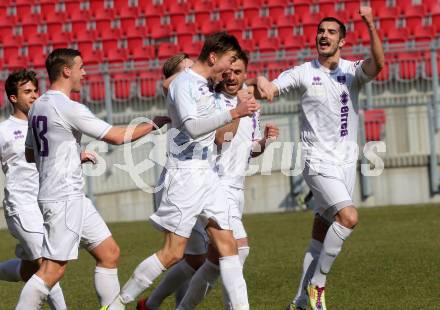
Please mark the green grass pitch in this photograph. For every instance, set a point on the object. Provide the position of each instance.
(390, 262)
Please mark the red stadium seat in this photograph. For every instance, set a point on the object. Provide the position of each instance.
(99, 11)
(266, 45)
(122, 85)
(273, 3)
(408, 9)
(153, 22)
(193, 50)
(211, 27)
(223, 5)
(276, 12)
(167, 50)
(407, 66)
(15, 63)
(423, 33)
(374, 124)
(432, 7)
(177, 18)
(175, 7)
(96, 87)
(142, 53)
(122, 8)
(164, 31)
(148, 9)
(286, 21)
(382, 10)
(147, 84)
(201, 6)
(292, 43)
(248, 44)
(112, 53)
(428, 65)
(227, 15)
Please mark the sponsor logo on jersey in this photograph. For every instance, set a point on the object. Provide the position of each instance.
(341, 79)
(344, 113)
(18, 135)
(316, 80)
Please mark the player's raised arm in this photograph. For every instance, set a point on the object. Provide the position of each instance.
(373, 65)
(122, 135)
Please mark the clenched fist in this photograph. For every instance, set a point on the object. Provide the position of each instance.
(246, 105)
(271, 132)
(367, 14)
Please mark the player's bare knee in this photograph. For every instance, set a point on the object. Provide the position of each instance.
(348, 218)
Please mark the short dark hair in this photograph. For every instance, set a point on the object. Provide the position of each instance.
(243, 56)
(17, 79)
(58, 59)
(219, 43)
(171, 65)
(342, 29)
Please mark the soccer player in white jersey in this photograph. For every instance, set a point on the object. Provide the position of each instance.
(329, 88)
(22, 214)
(190, 186)
(56, 124)
(238, 142)
(231, 165)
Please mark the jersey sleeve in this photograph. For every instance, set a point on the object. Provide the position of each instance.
(82, 119)
(184, 97)
(288, 80)
(360, 76)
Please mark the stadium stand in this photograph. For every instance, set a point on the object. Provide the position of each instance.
(278, 33)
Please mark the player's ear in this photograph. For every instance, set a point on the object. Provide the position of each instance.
(341, 42)
(212, 58)
(67, 71)
(13, 98)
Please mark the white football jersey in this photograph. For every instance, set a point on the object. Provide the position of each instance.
(235, 155)
(21, 177)
(329, 108)
(56, 124)
(190, 97)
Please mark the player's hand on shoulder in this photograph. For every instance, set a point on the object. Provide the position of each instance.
(88, 157)
(367, 14)
(160, 121)
(265, 88)
(271, 131)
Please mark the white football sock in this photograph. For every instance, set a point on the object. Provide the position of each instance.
(33, 294)
(143, 276)
(173, 279)
(10, 270)
(106, 284)
(55, 299)
(205, 277)
(334, 239)
(231, 271)
(309, 265)
(243, 253)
